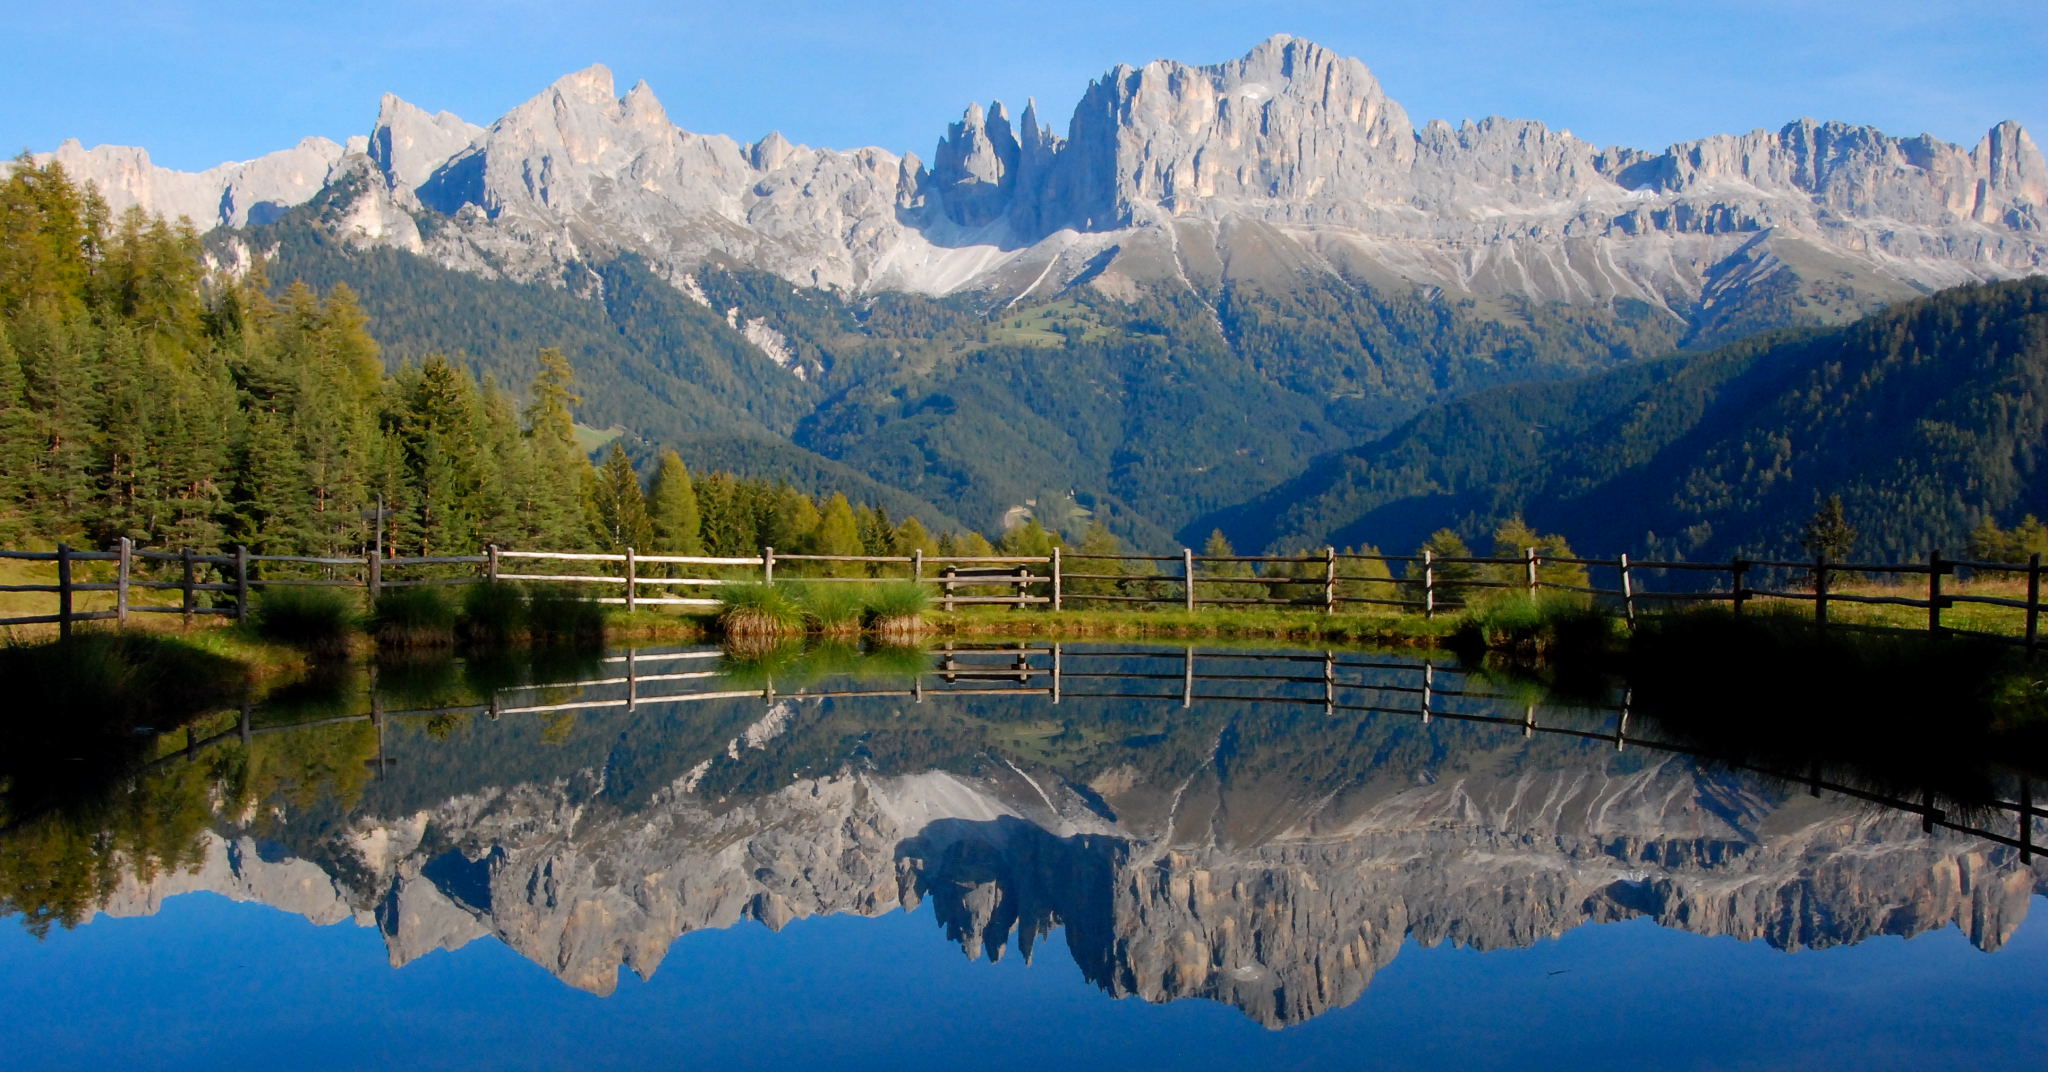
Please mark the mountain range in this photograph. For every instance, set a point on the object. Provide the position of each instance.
(1215, 276)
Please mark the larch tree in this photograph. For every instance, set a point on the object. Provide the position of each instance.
(672, 508)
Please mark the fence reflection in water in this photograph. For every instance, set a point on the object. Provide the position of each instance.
(1342, 684)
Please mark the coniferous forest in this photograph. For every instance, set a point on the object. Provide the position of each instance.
(144, 396)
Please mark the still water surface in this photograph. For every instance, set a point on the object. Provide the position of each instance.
(1095, 857)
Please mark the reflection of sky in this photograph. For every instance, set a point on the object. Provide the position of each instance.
(213, 984)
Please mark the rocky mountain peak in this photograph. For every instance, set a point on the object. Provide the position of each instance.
(408, 145)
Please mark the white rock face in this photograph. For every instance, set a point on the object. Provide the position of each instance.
(231, 194)
(1289, 159)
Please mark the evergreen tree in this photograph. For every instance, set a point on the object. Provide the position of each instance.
(1450, 577)
(621, 509)
(672, 508)
(1513, 538)
(554, 497)
(1828, 534)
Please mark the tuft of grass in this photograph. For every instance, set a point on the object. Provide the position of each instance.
(896, 610)
(421, 617)
(831, 609)
(559, 615)
(318, 621)
(1551, 624)
(758, 610)
(495, 613)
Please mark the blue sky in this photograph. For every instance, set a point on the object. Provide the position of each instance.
(201, 82)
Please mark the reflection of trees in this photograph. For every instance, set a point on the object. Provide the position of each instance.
(60, 860)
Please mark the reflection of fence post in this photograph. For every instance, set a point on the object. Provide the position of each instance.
(1055, 578)
(1057, 672)
(1428, 687)
(2027, 817)
(1528, 720)
(1934, 568)
(1628, 594)
(123, 566)
(1187, 577)
(1187, 689)
(1621, 723)
(191, 604)
(1529, 574)
(2033, 601)
(64, 591)
(241, 583)
(1329, 580)
(1329, 684)
(1820, 589)
(1428, 584)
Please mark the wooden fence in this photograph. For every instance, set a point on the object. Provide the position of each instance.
(1187, 581)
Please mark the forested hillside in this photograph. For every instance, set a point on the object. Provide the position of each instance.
(141, 397)
(1145, 411)
(1926, 418)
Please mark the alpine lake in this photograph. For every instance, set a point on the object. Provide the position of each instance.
(1029, 856)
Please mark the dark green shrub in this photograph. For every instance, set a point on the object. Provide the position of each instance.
(318, 621)
(422, 617)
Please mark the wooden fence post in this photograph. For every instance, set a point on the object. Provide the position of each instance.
(1738, 569)
(1628, 594)
(767, 565)
(2033, 601)
(1529, 576)
(64, 591)
(241, 583)
(191, 604)
(632, 579)
(1820, 589)
(1329, 580)
(122, 566)
(491, 563)
(946, 580)
(917, 564)
(1056, 578)
(1934, 568)
(1428, 584)
(375, 565)
(1187, 577)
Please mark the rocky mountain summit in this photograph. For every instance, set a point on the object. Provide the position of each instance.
(1289, 159)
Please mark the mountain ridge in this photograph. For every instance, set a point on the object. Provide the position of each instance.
(1159, 156)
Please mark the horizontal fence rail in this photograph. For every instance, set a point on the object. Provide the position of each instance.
(222, 583)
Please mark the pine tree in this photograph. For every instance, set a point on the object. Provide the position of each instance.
(621, 508)
(554, 500)
(1450, 577)
(1828, 534)
(672, 508)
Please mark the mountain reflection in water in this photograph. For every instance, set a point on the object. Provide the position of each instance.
(1263, 829)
